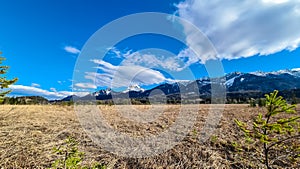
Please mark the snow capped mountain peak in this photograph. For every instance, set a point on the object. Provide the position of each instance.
(135, 88)
(102, 92)
(286, 71)
(230, 78)
(293, 72)
(258, 73)
(296, 70)
(230, 82)
(108, 91)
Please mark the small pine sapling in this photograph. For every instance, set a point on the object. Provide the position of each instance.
(275, 134)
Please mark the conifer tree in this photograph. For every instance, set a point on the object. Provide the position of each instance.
(4, 83)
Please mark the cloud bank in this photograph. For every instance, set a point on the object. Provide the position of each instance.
(35, 91)
(244, 28)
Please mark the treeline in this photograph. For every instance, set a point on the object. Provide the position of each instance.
(292, 96)
(25, 100)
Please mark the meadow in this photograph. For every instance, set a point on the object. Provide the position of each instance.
(28, 134)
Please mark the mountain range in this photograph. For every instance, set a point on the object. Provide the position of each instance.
(236, 84)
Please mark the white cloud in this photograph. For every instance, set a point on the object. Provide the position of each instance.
(86, 85)
(243, 28)
(34, 91)
(100, 79)
(61, 82)
(156, 59)
(124, 75)
(104, 64)
(35, 85)
(53, 89)
(116, 52)
(71, 49)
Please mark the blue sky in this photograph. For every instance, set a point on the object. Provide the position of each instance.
(43, 39)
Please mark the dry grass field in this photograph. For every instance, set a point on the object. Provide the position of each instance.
(28, 134)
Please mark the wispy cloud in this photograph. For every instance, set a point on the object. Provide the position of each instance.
(157, 59)
(243, 28)
(35, 85)
(71, 49)
(85, 85)
(35, 91)
(53, 89)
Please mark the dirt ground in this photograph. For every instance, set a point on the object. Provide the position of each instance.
(28, 133)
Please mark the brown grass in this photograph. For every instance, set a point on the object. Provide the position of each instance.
(28, 134)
